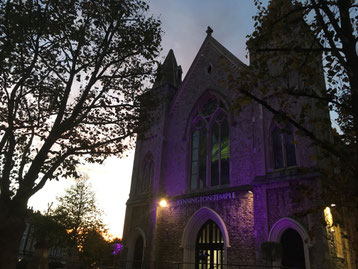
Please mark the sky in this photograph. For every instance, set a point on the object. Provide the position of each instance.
(184, 24)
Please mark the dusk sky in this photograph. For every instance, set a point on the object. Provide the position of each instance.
(184, 23)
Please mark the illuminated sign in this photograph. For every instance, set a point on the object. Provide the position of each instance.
(207, 198)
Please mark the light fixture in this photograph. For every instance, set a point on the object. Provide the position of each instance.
(333, 205)
(163, 203)
(328, 216)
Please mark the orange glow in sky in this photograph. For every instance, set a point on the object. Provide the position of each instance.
(110, 182)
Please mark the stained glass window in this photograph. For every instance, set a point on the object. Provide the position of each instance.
(225, 152)
(198, 156)
(210, 146)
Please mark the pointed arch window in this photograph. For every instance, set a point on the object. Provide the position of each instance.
(146, 177)
(283, 147)
(210, 146)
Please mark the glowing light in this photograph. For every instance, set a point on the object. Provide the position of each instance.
(250, 192)
(328, 216)
(163, 203)
(333, 205)
(117, 247)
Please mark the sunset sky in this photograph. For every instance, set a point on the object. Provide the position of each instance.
(184, 23)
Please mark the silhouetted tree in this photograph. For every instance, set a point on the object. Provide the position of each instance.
(47, 233)
(96, 250)
(71, 73)
(292, 42)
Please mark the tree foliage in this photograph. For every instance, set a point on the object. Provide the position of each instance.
(96, 250)
(292, 42)
(75, 226)
(78, 213)
(71, 73)
(47, 231)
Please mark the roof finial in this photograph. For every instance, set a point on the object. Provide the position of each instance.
(209, 31)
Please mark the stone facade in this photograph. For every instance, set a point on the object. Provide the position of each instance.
(259, 204)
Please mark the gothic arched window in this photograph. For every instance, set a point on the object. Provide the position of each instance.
(210, 146)
(283, 148)
(146, 177)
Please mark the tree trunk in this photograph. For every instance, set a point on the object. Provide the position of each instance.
(12, 225)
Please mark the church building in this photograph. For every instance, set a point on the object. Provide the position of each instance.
(214, 187)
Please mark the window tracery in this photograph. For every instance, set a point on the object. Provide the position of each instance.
(210, 146)
(283, 147)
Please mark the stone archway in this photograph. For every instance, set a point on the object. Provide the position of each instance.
(293, 255)
(281, 227)
(192, 228)
(136, 247)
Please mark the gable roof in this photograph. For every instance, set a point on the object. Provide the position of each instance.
(208, 46)
(209, 41)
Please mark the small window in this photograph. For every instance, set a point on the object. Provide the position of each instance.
(209, 68)
(283, 147)
(146, 178)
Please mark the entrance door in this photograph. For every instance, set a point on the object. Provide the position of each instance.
(209, 248)
(293, 255)
(138, 253)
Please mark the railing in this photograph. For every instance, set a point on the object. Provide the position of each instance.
(181, 265)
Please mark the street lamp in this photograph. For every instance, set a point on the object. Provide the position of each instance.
(163, 203)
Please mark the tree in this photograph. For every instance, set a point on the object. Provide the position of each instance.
(334, 30)
(48, 233)
(293, 40)
(96, 250)
(78, 213)
(71, 75)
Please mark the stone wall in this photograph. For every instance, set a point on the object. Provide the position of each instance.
(237, 214)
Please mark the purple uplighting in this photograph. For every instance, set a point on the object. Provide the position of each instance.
(117, 247)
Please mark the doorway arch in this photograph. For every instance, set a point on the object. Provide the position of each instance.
(138, 253)
(136, 247)
(192, 229)
(287, 229)
(209, 247)
(293, 255)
